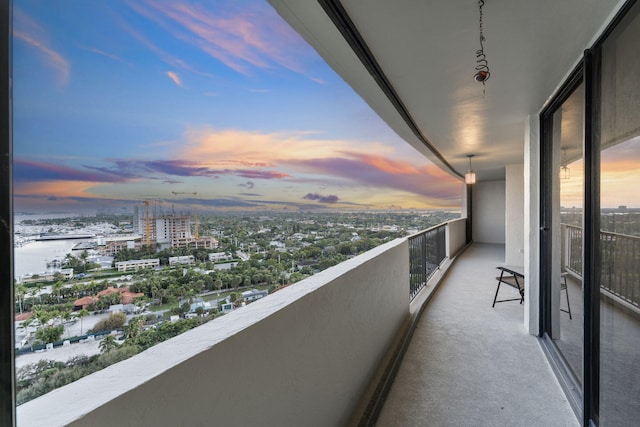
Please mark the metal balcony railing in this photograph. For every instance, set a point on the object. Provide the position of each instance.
(620, 274)
(427, 250)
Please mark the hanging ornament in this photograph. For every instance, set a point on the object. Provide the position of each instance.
(482, 66)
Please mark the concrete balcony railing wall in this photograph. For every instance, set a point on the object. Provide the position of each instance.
(303, 356)
(309, 354)
(456, 236)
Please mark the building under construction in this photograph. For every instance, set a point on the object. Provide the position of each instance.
(163, 230)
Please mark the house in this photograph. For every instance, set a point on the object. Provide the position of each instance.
(226, 307)
(126, 295)
(551, 89)
(102, 261)
(254, 294)
(49, 275)
(84, 303)
(182, 260)
(219, 256)
(127, 298)
(137, 264)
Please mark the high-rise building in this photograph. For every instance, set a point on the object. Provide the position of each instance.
(169, 230)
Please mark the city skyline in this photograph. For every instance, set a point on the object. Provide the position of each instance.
(117, 100)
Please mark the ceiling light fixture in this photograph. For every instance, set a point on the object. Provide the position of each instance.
(482, 66)
(470, 176)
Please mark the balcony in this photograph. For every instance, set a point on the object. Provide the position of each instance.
(470, 364)
(317, 353)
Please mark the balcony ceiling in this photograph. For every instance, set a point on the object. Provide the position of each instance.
(427, 51)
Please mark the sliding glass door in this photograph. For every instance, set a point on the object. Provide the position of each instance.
(618, 120)
(590, 228)
(565, 200)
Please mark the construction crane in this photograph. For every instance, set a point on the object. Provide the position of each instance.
(195, 210)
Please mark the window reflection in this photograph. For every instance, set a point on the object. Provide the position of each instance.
(620, 223)
(568, 137)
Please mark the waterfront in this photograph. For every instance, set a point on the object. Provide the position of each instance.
(32, 257)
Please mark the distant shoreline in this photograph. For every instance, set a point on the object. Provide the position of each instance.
(64, 237)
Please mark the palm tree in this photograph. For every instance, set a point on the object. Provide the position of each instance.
(42, 316)
(107, 343)
(20, 291)
(69, 260)
(83, 256)
(154, 292)
(57, 289)
(26, 323)
(66, 315)
(191, 295)
(82, 313)
(134, 327)
(32, 294)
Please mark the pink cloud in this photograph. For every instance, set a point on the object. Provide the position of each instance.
(176, 79)
(317, 161)
(31, 33)
(106, 54)
(240, 39)
(427, 181)
(248, 173)
(164, 56)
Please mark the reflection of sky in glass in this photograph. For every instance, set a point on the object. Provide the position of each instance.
(619, 181)
(114, 100)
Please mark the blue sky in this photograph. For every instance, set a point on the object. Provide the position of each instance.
(115, 100)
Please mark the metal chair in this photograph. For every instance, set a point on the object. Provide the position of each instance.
(512, 278)
(563, 287)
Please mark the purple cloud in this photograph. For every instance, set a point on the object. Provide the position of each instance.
(191, 168)
(27, 170)
(255, 174)
(175, 167)
(321, 199)
(122, 171)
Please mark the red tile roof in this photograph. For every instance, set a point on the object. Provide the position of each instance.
(110, 290)
(84, 302)
(128, 297)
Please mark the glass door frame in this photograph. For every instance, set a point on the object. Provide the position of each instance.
(584, 398)
(569, 381)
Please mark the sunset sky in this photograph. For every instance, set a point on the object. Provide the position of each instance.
(119, 100)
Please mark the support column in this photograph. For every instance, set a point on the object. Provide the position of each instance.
(532, 224)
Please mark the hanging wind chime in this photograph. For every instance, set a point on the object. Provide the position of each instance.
(482, 66)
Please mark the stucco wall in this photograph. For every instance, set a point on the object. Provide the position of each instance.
(457, 236)
(302, 356)
(514, 215)
(488, 212)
